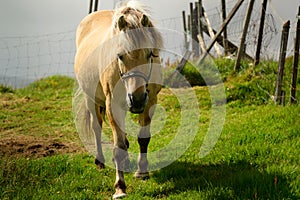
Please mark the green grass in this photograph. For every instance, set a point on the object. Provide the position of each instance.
(42, 110)
(251, 85)
(57, 177)
(256, 156)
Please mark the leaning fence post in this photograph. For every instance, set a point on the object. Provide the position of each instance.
(212, 34)
(281, 62)
(295, 61)
(244, 34)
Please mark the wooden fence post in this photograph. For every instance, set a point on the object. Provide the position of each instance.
(194, 43)
(195, 24)
(244, 34)
(282, 99)
(225, 42)
(183, 61)
(185, 30)
(295, 61)
(96, 6)
(91, 6)
(281, 62)
(260, 32)
(200, 31)
(189, 26)
(192, 27)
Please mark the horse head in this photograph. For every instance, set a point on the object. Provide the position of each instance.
(134, 59)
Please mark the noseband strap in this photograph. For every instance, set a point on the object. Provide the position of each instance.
(131, 74)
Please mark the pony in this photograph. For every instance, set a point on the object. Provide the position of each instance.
(118, 69)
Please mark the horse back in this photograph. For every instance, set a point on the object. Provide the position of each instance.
(91, 32)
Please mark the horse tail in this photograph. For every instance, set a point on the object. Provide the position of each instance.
(82, 119)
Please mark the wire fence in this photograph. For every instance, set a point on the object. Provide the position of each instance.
(24, 59)
(271, 34)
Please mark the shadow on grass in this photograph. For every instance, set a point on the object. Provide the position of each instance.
(224, 181)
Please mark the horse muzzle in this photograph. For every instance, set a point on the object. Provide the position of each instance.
(137, 102)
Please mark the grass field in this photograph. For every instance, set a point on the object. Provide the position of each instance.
(256, 156)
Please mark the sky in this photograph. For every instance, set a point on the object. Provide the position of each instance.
(32, 17)
(37, 36)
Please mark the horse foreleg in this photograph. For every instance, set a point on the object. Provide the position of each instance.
(116, 118)
(143, 140)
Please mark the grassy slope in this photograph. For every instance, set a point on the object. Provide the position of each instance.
(256, 156)
(42, 109)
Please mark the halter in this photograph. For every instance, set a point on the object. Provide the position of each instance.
(130, 74)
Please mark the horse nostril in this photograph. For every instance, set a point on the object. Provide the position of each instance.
(137, 103)
(130, 97)
(138, 100)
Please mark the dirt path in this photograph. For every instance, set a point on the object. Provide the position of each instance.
(31, 147)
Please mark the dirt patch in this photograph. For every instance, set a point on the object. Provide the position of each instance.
(31, 147)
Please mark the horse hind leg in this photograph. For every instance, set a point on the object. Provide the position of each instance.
(99, 160)
(96, 119)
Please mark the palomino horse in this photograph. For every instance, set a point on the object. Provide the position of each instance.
(117, 67)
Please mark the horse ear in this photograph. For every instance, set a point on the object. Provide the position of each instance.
(145, 21)
(122, 23)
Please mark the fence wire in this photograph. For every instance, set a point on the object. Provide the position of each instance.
(24, 59)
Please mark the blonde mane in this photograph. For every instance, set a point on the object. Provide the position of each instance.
(136, 36)
(121, 8)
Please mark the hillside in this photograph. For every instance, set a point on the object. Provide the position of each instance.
(255, 157)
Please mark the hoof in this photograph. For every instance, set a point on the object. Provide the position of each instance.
(99, 164)
(119, 194)
(142, 176)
